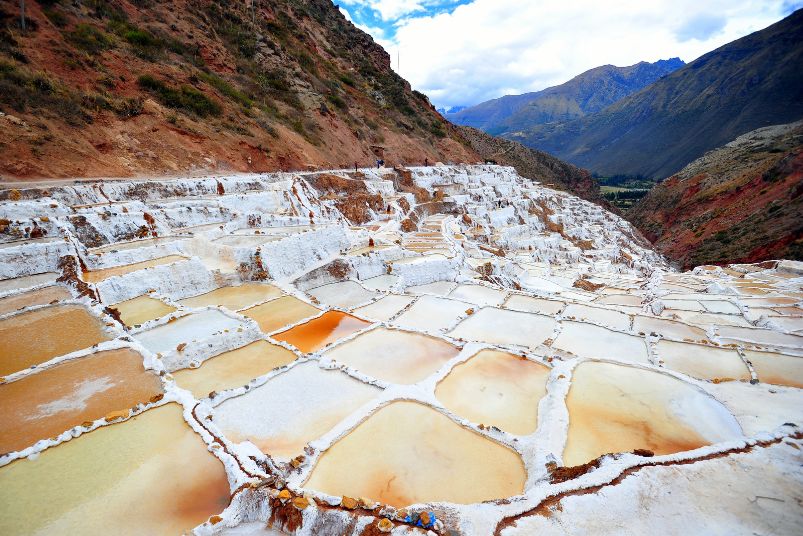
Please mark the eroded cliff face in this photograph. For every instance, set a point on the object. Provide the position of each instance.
(124, 88)
(739, 203)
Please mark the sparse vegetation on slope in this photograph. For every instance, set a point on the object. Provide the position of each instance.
(739, 203)
(161, 87)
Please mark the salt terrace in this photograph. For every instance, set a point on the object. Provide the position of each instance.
(476, 354)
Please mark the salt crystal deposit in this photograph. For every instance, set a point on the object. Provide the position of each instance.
(484, 356)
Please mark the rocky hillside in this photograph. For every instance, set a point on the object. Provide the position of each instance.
(586, 93)
(750, 83)
(535, 165)
(131, 87)
(740, 203)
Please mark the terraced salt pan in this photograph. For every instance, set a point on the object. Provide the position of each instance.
(142, 309)
(234, 297)
(40, 296)
(33, 337)
(27, 281)
(43, 405)
(234, 368)
(534, 305)
(710, 319)
(393, 355)
(343, 294)
(501, 326)
(616, 408)
(318, 332)
(478, 295)
(606, 317)
(496, 389)
(703, 362)
(239, 241)
(280, 312)
(126, 246)
(587, 340)
(96, 276)
(292, 409)
(149, 475)
(382, 283)
(777, 369)
(408, 453)
(189, 328)
(668, 328)
(384, 308)
(620, 299)
(440, 288)
(760, 337)
(432, 313)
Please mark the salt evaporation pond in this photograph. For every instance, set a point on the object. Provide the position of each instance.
(496, 389)
(318, 332)
(235, 297)
(481, 369)
(233, 368)
(33, 337)
(617, 408)
(393, 355)
(408, 453)
(71, 393)
(149, 475)
(142, 309)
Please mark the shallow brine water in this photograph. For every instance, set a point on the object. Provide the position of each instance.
(394, 356)
(33, 337)
(95, 276)
(234, 368)
(149, 475)
(616, 408)
(234, 298)
(496, 389)
(45, 404)
(408, 453)
(318, 332)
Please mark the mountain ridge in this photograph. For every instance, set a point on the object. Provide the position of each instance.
(752, 82)
(585, 93)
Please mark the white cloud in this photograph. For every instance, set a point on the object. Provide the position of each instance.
(489, 48)
(389, 9)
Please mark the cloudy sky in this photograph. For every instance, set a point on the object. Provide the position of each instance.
(462, 52)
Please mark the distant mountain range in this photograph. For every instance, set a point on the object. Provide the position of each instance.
(738, 203)
(446, 112)
(752, 82)
(586, 93)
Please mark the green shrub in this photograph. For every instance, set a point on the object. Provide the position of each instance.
(90, 39)
(337, 101)
(346, 79)
(23, 90)
(183, 98)
(227, 89)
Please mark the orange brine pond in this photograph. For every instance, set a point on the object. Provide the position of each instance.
(393, 355)
(42, 296)
(280, 312)
(151, 474)
(617, 408)
(33, 337)
(45, 404)
(408, 453)
(319, 332)
(233, 369)
(234, 298)
(104, 273)
(496, 388)
(141, 309)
